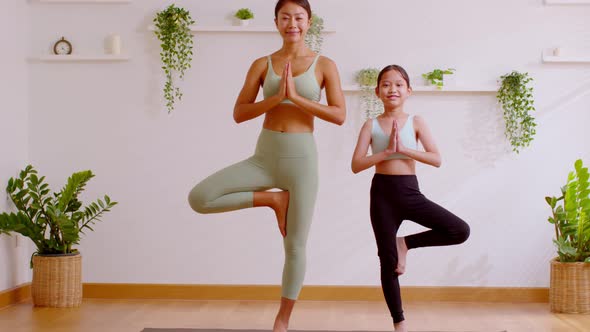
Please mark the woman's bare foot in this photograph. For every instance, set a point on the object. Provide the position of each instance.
(282, 319)
(402, 252)
(279, 202)
(400, 327)
(279, 325)
(280, 206)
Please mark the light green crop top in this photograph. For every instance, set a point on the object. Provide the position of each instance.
(306, 84)
(380, 141)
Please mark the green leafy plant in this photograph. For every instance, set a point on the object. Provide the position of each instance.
(176, 42)
(244, 14)
(54, 221)
(313, 38)
(517, 102)
(436, 77)
(570, 214)
(367, 80)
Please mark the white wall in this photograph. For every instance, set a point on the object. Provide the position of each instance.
(111, 118)
(14, 268)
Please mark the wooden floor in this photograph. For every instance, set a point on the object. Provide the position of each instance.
(134, 315)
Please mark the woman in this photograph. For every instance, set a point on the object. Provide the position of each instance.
(395, 195)
(285, 156)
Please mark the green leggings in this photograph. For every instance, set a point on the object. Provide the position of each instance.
(287, 161)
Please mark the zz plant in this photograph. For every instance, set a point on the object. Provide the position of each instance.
(516, 98)
(570, 214)
(53, 221)
(176, 42)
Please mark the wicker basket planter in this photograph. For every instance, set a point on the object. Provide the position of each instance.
(57, 280)
(570, 287)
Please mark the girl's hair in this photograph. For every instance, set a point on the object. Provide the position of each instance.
(397, 68)
(301, 3)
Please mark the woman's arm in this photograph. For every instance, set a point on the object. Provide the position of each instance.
(246, 108)
(335, 111)
(430, 156)
(360, 160)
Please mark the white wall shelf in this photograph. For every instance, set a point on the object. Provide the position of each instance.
(233, 28)
(566, 2)
(86, 1)
(83, 58)
(565, 59)
(428, 88)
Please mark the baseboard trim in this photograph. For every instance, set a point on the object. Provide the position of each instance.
(15, 295)
(314, 293)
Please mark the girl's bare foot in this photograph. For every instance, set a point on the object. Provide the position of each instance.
(280, 206)
(400, 327)
(402, 252)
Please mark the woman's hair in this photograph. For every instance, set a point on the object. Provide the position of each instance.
(397, 68)
(301, 3)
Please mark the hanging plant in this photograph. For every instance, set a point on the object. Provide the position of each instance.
(517, 102)
(367, 80)
(173, 31)
(313, 38)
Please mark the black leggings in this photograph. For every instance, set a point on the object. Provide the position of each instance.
(395, 198)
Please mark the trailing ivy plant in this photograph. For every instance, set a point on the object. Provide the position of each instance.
(516, 98)
(367, 80)
(570, 214)
(436, 77)
(313, 38)
(176, 42)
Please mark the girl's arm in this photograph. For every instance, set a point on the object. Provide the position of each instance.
(360, 160)
(335, 111)
(430, 156)
(246, 108)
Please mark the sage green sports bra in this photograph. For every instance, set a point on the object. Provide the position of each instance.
(306, 84)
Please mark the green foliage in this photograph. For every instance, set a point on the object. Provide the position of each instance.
(435, 77)
(367, 77)
(367, 80)
(313, 38)
(54, 221)
(570, 214)
(517, 102)
(176, 42)
(244, 14)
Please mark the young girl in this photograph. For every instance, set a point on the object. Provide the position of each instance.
(395, 195)
(285, 156)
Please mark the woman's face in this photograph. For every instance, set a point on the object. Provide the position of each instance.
(292, 22)
(393, 89)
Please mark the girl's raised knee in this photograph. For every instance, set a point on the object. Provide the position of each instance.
(197, 200)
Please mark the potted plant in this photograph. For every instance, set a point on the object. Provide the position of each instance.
(569, 290)
(176, 42)
(367, 80)
(437, 77)
(517, 102)
(244, 15)
(313, 38)
(54, 222)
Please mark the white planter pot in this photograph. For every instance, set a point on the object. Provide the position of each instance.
(244, 22)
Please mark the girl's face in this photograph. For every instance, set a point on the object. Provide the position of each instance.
(292, 22)
(393, 89)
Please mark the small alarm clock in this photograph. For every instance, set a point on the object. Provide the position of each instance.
(62, 47)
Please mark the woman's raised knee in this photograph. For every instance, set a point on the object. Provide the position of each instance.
(198, 200)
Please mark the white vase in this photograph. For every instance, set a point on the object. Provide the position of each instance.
(244, 22)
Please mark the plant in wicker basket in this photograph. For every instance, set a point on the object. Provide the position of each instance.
(54, 223)
(570, 271)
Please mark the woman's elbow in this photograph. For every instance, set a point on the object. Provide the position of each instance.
(238, 118)
(437, 162)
